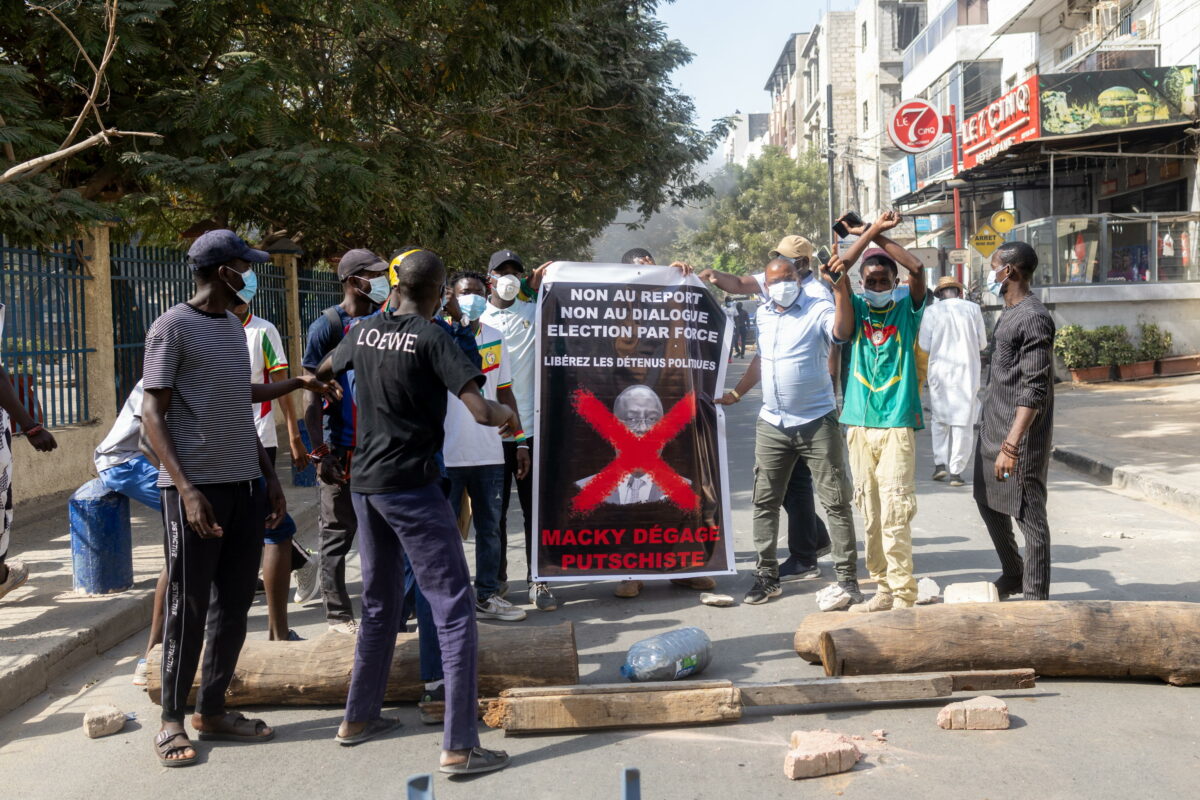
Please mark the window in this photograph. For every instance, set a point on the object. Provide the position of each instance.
(864, 37)
(910, 18)
(1065, 53)
(866, 116)
(980, 85)
(972, 12)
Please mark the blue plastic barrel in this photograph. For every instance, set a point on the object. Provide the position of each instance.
(308, 475)
(101, 540)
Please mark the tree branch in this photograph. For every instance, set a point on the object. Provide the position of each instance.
(67, 152)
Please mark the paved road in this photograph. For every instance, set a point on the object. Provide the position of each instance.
(1070, 739)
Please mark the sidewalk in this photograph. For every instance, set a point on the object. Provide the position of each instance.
(46, 629)
(1143, 437)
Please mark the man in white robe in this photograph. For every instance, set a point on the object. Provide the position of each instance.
(953, 334)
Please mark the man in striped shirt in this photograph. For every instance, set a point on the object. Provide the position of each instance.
(198, 417)
(474, 454)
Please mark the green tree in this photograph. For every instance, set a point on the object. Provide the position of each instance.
(461, 125)
(771, 197)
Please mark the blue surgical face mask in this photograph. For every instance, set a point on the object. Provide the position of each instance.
(994, 284)
(472, 305)
(380, 289)
(877, 299)
(249, 286)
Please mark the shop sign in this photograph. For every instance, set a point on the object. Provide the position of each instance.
(986, 240)
(1076, 103)
(959, 256)
(922, 224)
(1010, 119)
(1137, 178)
(1108, 186)
(902, 177)
(915, 126)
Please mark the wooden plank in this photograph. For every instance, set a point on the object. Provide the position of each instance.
(881, 688)
(590, 711)
(613, 688)
(846, 690)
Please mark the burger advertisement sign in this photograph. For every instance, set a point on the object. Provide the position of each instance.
(1085, 103)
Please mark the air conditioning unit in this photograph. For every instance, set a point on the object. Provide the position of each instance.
(1080, 6)
(1072, 20)
(1141, 28)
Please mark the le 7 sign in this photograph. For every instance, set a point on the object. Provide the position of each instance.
(915, 126)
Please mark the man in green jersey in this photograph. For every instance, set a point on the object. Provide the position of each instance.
(882, 410)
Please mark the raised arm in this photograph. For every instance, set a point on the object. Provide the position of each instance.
(834, 274)
(487, 412)
(265, 392)
(900, 254)
(728, 282)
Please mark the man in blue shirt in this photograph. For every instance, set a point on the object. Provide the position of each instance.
(798, 421)
(331, 427)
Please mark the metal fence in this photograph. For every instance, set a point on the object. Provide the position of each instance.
(146, 281)
(271, 302)
(44, 345)
(319, 289)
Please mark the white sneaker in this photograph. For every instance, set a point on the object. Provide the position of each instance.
(307, 585)
(349, 627)
(496, 607)
(18, 573)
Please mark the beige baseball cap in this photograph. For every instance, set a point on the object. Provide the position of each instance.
(793, 247)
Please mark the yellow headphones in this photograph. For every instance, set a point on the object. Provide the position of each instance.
(395, 264)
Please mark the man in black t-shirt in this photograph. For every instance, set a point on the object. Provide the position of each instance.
(403, 366)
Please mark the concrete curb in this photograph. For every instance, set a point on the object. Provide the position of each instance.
(1152, 485)
(111, 620)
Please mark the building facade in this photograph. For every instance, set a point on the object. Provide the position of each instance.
(746, 138)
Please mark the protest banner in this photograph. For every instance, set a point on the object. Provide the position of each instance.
(630, 475)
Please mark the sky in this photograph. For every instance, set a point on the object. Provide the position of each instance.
(735, 43)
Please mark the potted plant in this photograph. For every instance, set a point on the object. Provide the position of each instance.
(1153, 344)
(1115, 349)
(1179, 365)
(1077, 349)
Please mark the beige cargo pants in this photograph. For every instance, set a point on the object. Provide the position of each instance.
(884, 462)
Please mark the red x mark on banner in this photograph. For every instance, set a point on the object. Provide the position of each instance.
(635, 452)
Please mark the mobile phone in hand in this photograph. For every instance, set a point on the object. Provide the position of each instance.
(849, 220)
(823, 256)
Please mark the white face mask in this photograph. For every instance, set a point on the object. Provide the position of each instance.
(994, 285)
(877, 299)
(784, 293)
(380, 288)
(507, 287)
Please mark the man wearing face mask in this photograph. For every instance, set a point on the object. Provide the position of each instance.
(883, 409)
(798, 420)
(474, 455)
(515, 320)
(197, 414)
(1012, 454)
(330, 426)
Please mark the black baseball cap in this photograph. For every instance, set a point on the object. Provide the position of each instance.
(220, 247)
(359, 260)
(504, 257)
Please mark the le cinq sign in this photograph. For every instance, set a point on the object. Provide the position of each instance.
(1008, 120)
(915, 126)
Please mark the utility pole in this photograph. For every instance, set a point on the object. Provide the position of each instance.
(829, 146)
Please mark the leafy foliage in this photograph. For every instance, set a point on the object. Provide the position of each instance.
(772, 196)
(1076, 347)
(463, 125)
(1153, 342)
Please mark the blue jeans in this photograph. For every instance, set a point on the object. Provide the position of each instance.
(417, 523)
(427, 641)
(484, 486)
(136, 479)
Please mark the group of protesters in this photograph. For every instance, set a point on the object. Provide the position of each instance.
(420, 385)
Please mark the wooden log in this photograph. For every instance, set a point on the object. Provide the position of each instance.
(614, 706)
(317, 671)
(557, 708)
(1095, 638)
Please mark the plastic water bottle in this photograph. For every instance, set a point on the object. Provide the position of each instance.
(668, 656)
